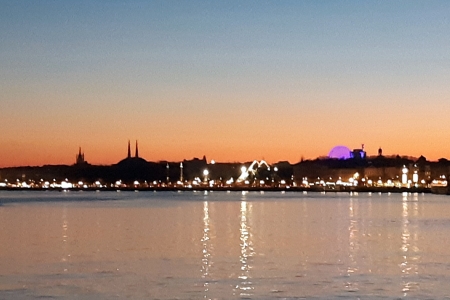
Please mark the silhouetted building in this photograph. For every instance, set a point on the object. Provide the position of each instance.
(358, 153)
(136, 154)
(194, 168)
(79, 159)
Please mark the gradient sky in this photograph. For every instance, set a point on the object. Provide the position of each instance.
(232, 80)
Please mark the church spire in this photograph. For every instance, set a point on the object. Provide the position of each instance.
(129, 149)
(80, 157)
(137, 150)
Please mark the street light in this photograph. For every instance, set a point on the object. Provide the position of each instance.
(404, 175)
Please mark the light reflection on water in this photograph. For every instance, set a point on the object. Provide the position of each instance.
(353, 243)
(245, 286)
(207, 250)
(65, 227)
(224, 245)
(411, 258)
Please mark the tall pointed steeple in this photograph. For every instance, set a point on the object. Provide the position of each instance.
(80, 157)
(137, 150)
(129, 149)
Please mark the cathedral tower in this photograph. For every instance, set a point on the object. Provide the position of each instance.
(137, 150)
(79, 159)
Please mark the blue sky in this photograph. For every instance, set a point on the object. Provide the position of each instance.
(250, 70)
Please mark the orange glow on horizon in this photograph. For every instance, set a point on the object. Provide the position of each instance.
(236, 132)
(28, 154)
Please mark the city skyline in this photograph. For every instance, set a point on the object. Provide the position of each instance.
(232, 81)
(338, 152)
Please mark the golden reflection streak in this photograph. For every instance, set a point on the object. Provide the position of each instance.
(353, 242)
(206, 251)
(245, 286)
(409, 265)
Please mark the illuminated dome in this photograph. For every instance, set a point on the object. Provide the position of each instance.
(339, 152)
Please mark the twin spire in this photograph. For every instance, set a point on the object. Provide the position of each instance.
(79, 159)
(136, 154)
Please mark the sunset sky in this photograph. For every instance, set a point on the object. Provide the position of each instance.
(232, 80)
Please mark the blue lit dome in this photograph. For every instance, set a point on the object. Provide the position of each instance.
(339, 152)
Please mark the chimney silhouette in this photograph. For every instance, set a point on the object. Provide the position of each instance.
(129, 149)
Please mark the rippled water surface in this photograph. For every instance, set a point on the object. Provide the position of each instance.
(193, 245)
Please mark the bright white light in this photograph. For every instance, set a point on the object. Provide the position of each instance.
(243, 169)
(275, 169)
(213, 162)
(404, 178)
(205, 172)
(66, 185)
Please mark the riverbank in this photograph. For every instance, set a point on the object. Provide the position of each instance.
(240, 188)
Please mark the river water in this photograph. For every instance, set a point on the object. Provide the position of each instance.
(218, 245)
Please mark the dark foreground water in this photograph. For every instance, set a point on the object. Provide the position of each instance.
(168, 245)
